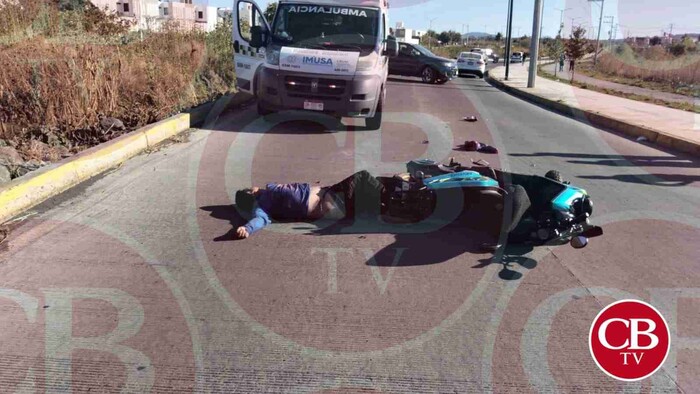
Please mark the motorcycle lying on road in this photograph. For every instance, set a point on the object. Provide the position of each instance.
(531, 209)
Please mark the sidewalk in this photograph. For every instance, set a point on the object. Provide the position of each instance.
(639, 91)
(666, 126)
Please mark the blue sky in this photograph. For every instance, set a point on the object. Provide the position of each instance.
(632, 17)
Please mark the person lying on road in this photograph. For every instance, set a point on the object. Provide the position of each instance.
(356, 196)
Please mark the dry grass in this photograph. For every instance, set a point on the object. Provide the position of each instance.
(55, 82)
(679, 75)
(647, 99)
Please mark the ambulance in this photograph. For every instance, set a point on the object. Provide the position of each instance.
(321, 56)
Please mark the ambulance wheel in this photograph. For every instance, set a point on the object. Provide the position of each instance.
(262, 110)
(375, 122)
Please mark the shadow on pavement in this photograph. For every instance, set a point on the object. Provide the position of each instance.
(677, 160)
(314, 125)
(649, 179)
(432, 247)
(512, 254)
(448, 85)
(288, 122)
(229, 213)
(674, 170)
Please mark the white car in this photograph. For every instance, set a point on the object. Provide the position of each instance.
(473, 63)
(487, 52)
(516, 57)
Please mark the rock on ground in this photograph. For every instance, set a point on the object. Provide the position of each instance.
(9, 156)
(5, 175)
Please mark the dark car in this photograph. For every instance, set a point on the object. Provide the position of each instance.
(416, 61)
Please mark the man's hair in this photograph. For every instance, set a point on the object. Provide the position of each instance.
(245, 200)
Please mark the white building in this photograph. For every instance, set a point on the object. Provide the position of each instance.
(151, 14)
(404, 34)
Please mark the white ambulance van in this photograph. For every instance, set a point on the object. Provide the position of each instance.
(327, 56)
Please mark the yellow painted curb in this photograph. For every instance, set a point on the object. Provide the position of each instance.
(34, 188)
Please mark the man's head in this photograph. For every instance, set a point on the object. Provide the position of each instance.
(245, 200)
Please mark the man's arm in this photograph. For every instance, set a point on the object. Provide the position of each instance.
(259, 220)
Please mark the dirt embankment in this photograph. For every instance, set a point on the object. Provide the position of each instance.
(81, 78)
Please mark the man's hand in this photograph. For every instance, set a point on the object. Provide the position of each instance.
(242, 232)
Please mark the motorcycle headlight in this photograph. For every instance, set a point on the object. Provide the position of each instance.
(587, 205)
(273, 57)
(583, 205)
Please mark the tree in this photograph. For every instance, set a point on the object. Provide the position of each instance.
(656, 40)
(523, 41)
(499, 36)
(677, 49)
(450, 36)
(429, 38)
(689, 44)
(444, 37)
(71, 5)
(270, 11)
(454, 37)
(575, 47)
(554, 50)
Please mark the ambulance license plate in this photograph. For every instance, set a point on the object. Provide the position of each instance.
(314, 106)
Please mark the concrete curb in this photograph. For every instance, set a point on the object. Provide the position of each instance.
(603, 121)
(38, 186)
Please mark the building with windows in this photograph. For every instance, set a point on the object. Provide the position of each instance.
(404, 34)
(153, 14)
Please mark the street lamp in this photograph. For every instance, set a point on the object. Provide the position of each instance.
(561, 18)
(572, 24)
(509, 37)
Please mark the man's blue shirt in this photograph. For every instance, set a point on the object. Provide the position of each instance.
(281, 201)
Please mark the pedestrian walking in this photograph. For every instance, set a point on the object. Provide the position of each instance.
(561, 63)
(571, 65)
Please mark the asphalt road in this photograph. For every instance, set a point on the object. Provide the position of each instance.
(134, 282)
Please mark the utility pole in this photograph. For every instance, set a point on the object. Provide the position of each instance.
(509, 37)
(542, 19)
(535, 43)
(600, 27)
(611, 20)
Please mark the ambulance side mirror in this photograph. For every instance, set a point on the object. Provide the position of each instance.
(391, 47)
(257, 36)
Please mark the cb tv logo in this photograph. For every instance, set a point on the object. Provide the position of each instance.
(629, 340)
